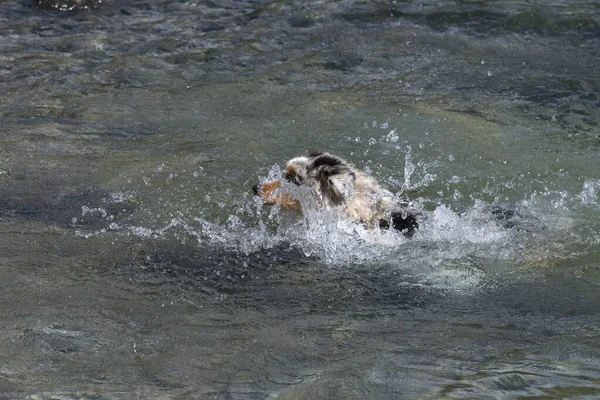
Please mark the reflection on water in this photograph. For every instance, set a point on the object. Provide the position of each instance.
(135, 263)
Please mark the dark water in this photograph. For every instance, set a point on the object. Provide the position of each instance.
(135, 263)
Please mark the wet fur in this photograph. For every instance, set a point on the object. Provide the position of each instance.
(336, 184)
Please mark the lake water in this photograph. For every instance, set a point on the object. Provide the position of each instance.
(136, 264)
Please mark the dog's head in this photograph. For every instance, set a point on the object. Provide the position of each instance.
(330, 177)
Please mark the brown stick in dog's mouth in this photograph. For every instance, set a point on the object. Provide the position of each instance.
(272, 193)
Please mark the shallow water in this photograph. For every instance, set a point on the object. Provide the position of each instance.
(135, 263)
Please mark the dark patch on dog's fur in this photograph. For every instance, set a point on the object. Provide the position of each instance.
(327, 160)
(404, 222)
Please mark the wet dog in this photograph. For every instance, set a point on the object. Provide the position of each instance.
(338, 186)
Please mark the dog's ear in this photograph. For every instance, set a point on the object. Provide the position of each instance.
(325, 172)
(328, 188)
(326, 167)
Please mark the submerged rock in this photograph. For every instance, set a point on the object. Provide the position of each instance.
(71, 5)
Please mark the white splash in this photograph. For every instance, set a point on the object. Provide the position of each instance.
(589, 193)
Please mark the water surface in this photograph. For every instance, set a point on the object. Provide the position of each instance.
(135, 263)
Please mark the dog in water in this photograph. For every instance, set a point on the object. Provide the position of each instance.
(338, 186)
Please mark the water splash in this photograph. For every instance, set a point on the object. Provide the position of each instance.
(409, 167)
(456, 243)
(476, 225)
(589, 193)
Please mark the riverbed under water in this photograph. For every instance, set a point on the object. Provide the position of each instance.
(135, 262)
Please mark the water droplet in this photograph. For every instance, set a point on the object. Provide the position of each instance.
(392, 136)
(489, 73)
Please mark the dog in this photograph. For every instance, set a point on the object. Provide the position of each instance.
(337, 185)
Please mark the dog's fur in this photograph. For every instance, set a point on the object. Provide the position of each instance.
(337, 185)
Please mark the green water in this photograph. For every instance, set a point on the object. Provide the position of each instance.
(135, 263)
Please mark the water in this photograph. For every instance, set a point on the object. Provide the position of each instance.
(135, 263)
